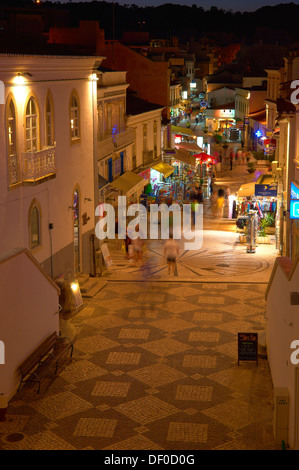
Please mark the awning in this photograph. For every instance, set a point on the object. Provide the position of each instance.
(182, 130)
(129, 183)
(192, 147)
(164, 168)
(102, 182)
(246, 190)
(185, 157)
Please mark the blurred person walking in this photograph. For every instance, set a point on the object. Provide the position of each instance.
(171, 251)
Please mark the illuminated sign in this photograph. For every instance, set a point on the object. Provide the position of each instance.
(192, 85)
(258, 134)
(294, 191)
(294, 209)
(185, 95)
(227, 113)
(266, 190)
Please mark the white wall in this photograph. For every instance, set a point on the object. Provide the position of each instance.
(74, 161)
(28, 314)
(282, 329)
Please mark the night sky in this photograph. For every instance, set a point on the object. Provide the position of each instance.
(235, 5)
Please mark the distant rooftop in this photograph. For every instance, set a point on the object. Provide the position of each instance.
(136, 105)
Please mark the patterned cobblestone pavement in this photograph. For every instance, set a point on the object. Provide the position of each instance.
(154, 368)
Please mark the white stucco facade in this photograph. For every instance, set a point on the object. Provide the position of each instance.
(53, 172)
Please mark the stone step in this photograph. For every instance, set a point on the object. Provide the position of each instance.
(82, 279)
(99, 284)
(88, 285)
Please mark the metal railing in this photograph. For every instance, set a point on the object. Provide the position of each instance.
(38, 164)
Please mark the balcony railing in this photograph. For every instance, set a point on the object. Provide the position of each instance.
(14, 170)
(112, 143)
(148, 156)
(38, 164)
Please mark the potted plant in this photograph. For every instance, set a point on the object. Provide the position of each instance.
(251, 167)
(263, 238)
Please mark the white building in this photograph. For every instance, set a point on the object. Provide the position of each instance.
(47, 184)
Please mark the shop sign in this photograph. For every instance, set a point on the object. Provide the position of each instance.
(106, 255)
(266, 190)
(294, 191)
(294, 209)
(146, 174)
(203, 104)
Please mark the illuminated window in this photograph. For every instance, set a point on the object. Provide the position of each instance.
(13, 164)
(31, 126)
(49, 122)
(34, 226)
(75, 118)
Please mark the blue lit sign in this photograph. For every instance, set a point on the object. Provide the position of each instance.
(258, 134)
(294, 209)
(294, 191)
(265, 190)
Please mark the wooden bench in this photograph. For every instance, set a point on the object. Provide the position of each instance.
(45, 355)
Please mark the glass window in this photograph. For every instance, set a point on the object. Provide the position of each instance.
(13, 165)
(31, 126)
(49, 123)
(34, 227)
(75, 131)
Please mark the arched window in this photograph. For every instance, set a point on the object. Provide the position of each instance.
(75, 117)
(49, 122)
(11, 126)
(31, 126)
(34, 226)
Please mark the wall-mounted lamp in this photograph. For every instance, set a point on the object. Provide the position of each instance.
(21, 78)
(93, 77)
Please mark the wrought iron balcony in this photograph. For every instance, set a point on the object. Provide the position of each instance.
(38, 165)
(14, 170)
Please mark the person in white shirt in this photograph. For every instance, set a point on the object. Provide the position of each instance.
(171, 251)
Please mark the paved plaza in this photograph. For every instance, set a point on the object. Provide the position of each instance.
(155, 359)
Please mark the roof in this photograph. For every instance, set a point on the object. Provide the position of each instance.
(287, 266)
(135, 105)
(285, 106)
(259, 116)
(36, 44)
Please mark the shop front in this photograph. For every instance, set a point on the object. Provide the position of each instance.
(258, 201)
(130, 185)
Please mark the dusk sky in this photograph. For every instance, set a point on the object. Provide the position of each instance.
(235, 5)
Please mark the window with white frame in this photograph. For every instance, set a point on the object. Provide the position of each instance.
(75, 118)
(31, 126)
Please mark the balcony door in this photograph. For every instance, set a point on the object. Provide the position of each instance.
(76, 228)
(31, 126)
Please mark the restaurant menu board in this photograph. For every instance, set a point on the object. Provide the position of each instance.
(247, 347)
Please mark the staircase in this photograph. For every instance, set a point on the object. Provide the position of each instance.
(90, 286)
